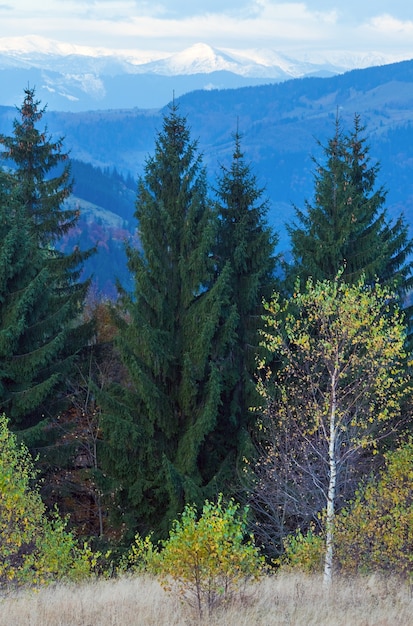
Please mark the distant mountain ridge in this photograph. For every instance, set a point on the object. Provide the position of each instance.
(79, 78)
(280, 124)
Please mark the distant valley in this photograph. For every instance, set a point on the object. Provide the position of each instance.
(280, 124)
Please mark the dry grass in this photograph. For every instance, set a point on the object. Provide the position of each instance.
(293, 600)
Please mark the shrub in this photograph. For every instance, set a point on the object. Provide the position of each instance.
(143, 556)
(375, 532)
(33, 548)
(304, 552)
(206, 559)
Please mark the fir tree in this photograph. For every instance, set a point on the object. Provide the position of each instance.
(41, 292)
(172, 342)
(28, 345)
(42, 171)
(246, 244)
(347, 225)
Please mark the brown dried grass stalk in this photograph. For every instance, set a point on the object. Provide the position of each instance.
(293, 599)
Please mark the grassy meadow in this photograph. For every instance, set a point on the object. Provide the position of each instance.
(284, 599)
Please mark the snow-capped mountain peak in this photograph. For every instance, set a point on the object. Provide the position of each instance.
(197, 59)
(201, 58)
(73, 77)
(20, 46)
(39, 48)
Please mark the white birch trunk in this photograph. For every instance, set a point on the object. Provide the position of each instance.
(328, 562)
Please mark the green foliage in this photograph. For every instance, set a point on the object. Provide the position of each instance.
(206, 558)
(343, 346)
(40, 293)
(36, 159)
(244, 247)
(336, 392)
(143, 556)
(304, 552)
(347, 225)
(172, 340)
(33, 548)
(30, 339)
(375, 531)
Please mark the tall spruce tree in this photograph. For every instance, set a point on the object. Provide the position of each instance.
(172, 340)
(41, 169)
(246, 244)
(347, 225)
(41, 292)
(27, 342)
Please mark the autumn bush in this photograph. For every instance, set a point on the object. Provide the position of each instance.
(206, 559)
(304, 552)
(34, 548)
(374, 533)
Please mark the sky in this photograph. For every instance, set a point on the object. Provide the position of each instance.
(172, 25)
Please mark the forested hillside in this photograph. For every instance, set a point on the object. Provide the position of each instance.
(280, 125)
(106, 200)
(222, 369)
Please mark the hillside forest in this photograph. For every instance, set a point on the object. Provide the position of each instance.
(220, 374)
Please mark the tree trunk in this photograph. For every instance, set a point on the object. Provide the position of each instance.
(328, 562)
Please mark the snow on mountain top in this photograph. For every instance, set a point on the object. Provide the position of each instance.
(200, 58)
(351, 59)
(33, 44)
(204, 59)
(41, 45)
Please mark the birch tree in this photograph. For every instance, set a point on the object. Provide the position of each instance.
(339, 385)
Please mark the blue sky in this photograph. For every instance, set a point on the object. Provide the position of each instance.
(356, 25)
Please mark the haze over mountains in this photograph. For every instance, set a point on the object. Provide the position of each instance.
(280, 122)
(78, 78)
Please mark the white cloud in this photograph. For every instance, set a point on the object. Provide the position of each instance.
(269, 24)
(387, 33)
(173, 24)
(387, 24)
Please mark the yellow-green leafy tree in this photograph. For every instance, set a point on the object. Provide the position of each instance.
(340, 382)
(207, 557)
(34, 549)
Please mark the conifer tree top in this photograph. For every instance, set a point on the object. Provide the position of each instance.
(346, 225)
(41, 169)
